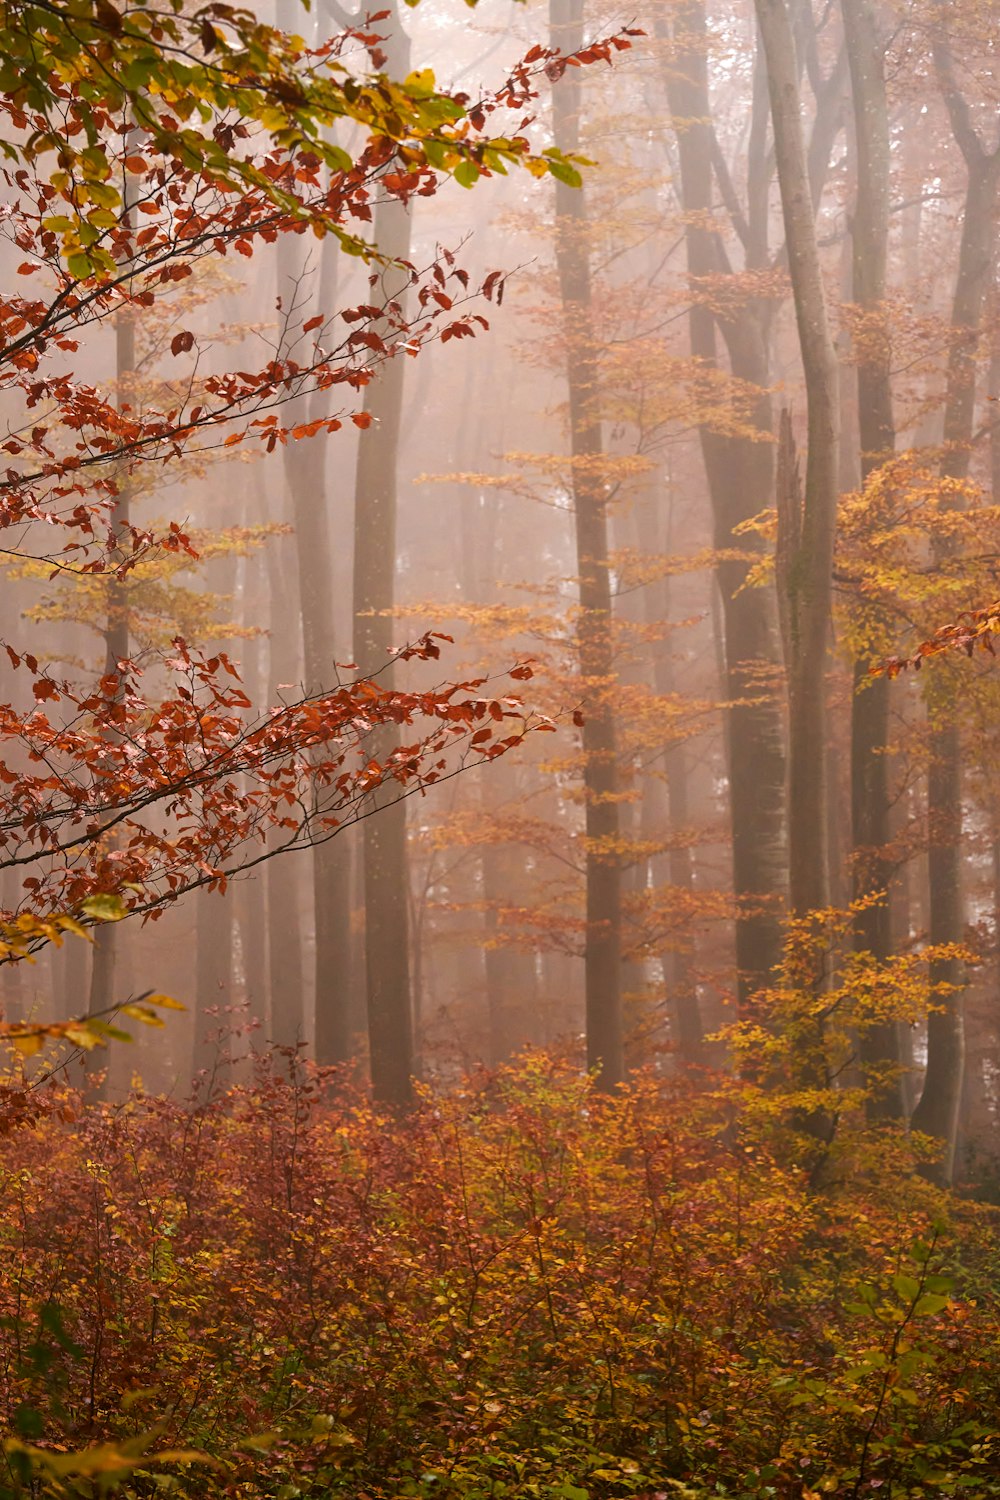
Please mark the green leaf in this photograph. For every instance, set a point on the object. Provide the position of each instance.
(105, 906)
(929, 1304)
(563, 172)
(466, 173)
(80, 266)
(906, 1288)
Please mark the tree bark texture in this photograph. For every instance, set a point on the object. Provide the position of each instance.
(104, 950)
(740, 474)
(937, 1112)
(306, 477)
(386, 862)
(870, 791)
(807, 549)
(602, 959)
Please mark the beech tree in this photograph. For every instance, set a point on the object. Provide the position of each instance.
(139, 795)
(870, 794)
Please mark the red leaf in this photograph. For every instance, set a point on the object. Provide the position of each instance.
(181, 342)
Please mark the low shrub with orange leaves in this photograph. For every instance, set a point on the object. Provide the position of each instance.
(523, 1288)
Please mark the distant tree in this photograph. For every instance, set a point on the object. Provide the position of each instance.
(138, 146)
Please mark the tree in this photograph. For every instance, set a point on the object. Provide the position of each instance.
(937, 1112)
(163, 756)
(877, 436)
(602, 958)
(807, 524)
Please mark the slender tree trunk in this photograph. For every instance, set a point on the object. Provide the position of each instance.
(252, 893)
(386, 862)
(508, 971)
(687, 1030)
(286, 978)
(306, 477)
(213, 987)
(806, 547)
(602, 979)
(870, 793)
(938, 1110)
(116, 648)
(740, 474)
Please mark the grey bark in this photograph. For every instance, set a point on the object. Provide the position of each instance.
(805, 580)
(740, 475)
(870, 790)
(937, 1112)
(602, 957)
(386, 862)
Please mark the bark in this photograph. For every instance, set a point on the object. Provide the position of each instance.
(213, 939)
(602, 956)
(870, 790)
(509, 972)
(213, 989)
(286, 977)
(740, 475)
(687, 1030)
(937, 1113)
(251, 896)
(306, 478)
(104, 950)
(805, 580)
(386, 863)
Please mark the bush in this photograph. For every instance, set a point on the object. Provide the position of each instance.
(523, 1288)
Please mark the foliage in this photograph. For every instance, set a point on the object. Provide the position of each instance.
(190, 786)
(142, 143)
(799, 1051)
(524, 1288)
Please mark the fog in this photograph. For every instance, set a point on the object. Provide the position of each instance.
(604, 464)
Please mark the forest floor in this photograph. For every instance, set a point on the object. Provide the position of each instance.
(522, 1288)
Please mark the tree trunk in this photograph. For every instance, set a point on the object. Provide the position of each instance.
(870, 792)
(937, 1113)
(740, 474)
(806, 546)
(305, 476)
(602, 958)
(687, 1030)
(386, 863)
(116, 648)
(286, 978)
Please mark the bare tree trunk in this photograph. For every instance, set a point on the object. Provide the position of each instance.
(687, 1029)
(602, 959)
(740, 475)
(213, 940)
(252, 892)
(116, 649)
(284, 918)
(305, 475)
(937, 1113)
(870, 795)
(386, 862)
(806, 546)
(213, 987)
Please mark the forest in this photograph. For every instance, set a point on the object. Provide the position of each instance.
(499, 846)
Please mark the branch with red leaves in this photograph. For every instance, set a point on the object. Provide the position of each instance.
(156, 800)
(973, 630)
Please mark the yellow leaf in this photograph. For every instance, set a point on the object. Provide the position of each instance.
(165, 1002)
(82, 1036)
(27, 1042)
